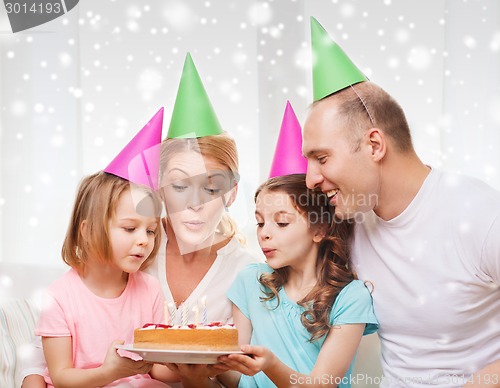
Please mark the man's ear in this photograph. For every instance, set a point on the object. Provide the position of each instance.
(378, 143)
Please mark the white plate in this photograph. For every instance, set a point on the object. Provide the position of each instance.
(177, 356)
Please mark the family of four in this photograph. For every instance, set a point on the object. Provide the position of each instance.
(359, 236)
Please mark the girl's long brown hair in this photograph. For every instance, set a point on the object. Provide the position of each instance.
(332, 265)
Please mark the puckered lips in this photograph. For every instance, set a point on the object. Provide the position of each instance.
(193, 224)
(137, 255)
(268, 252)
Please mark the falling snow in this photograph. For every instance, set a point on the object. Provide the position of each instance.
(103, 72)
(260, 14)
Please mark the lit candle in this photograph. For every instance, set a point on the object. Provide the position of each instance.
(171, 307)
(195, 310)
(204, 306)
(165, 313)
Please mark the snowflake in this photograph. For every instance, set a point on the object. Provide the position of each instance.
(179, 16)
(260, 14)
(420, 58)
(495, 42)
(470, 42)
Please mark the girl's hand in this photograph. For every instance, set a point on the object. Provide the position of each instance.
(256, 359)
(118, 367)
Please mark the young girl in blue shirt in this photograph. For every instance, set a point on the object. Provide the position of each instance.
(300, 315)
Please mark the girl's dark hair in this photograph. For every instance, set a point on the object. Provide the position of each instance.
(332, 265)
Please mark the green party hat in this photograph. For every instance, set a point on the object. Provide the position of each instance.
(193, 115)
(332, 68)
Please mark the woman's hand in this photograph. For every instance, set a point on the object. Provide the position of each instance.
(197, 375)
(255, 359)
(197, 371)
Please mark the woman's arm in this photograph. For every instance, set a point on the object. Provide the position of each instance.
(331, 366)
(164, 373)
(58, 353)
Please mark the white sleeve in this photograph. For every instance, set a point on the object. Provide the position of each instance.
(490, 255)
(30, 360)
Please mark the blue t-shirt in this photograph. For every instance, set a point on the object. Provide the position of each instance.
(281, 330)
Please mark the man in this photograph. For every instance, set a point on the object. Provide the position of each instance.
(428, 241)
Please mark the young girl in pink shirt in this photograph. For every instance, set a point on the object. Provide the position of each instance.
(113, 233)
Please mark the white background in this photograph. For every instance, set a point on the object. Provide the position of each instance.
(74, 91)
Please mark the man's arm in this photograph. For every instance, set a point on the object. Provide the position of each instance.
(489, 376)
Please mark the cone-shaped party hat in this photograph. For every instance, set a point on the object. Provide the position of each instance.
(193, 115)
(139, 161)
(288, 157)
(332, 68)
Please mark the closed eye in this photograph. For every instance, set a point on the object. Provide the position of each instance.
(212, 191)
(321, 159)
(179, 187)
(283, 224)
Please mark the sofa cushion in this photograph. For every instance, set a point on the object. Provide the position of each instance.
(17, 323)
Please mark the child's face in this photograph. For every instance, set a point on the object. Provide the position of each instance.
(283, 233)
(195, 190)
(132, 234)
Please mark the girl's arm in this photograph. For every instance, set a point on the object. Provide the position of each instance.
(58, 353)
(244, 325)
(333, 361)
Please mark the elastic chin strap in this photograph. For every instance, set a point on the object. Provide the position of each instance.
(372, 121)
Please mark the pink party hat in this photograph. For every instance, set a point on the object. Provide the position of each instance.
(288, 157)
(139, 161)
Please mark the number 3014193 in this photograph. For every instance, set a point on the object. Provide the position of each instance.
(34, 8)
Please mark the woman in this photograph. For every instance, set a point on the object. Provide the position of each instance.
(198, 184)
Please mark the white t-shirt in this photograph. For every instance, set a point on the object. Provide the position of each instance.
(229, 261)
(435, 269)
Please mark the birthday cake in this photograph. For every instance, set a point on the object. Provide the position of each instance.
(214, 337)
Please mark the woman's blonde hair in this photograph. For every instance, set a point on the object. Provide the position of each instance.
(95, 203)
(220, 148)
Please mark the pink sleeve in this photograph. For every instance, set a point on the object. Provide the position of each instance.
(52, 321)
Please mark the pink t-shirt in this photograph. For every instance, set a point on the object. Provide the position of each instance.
(71, 309)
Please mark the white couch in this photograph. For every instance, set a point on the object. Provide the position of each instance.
(21, 286)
